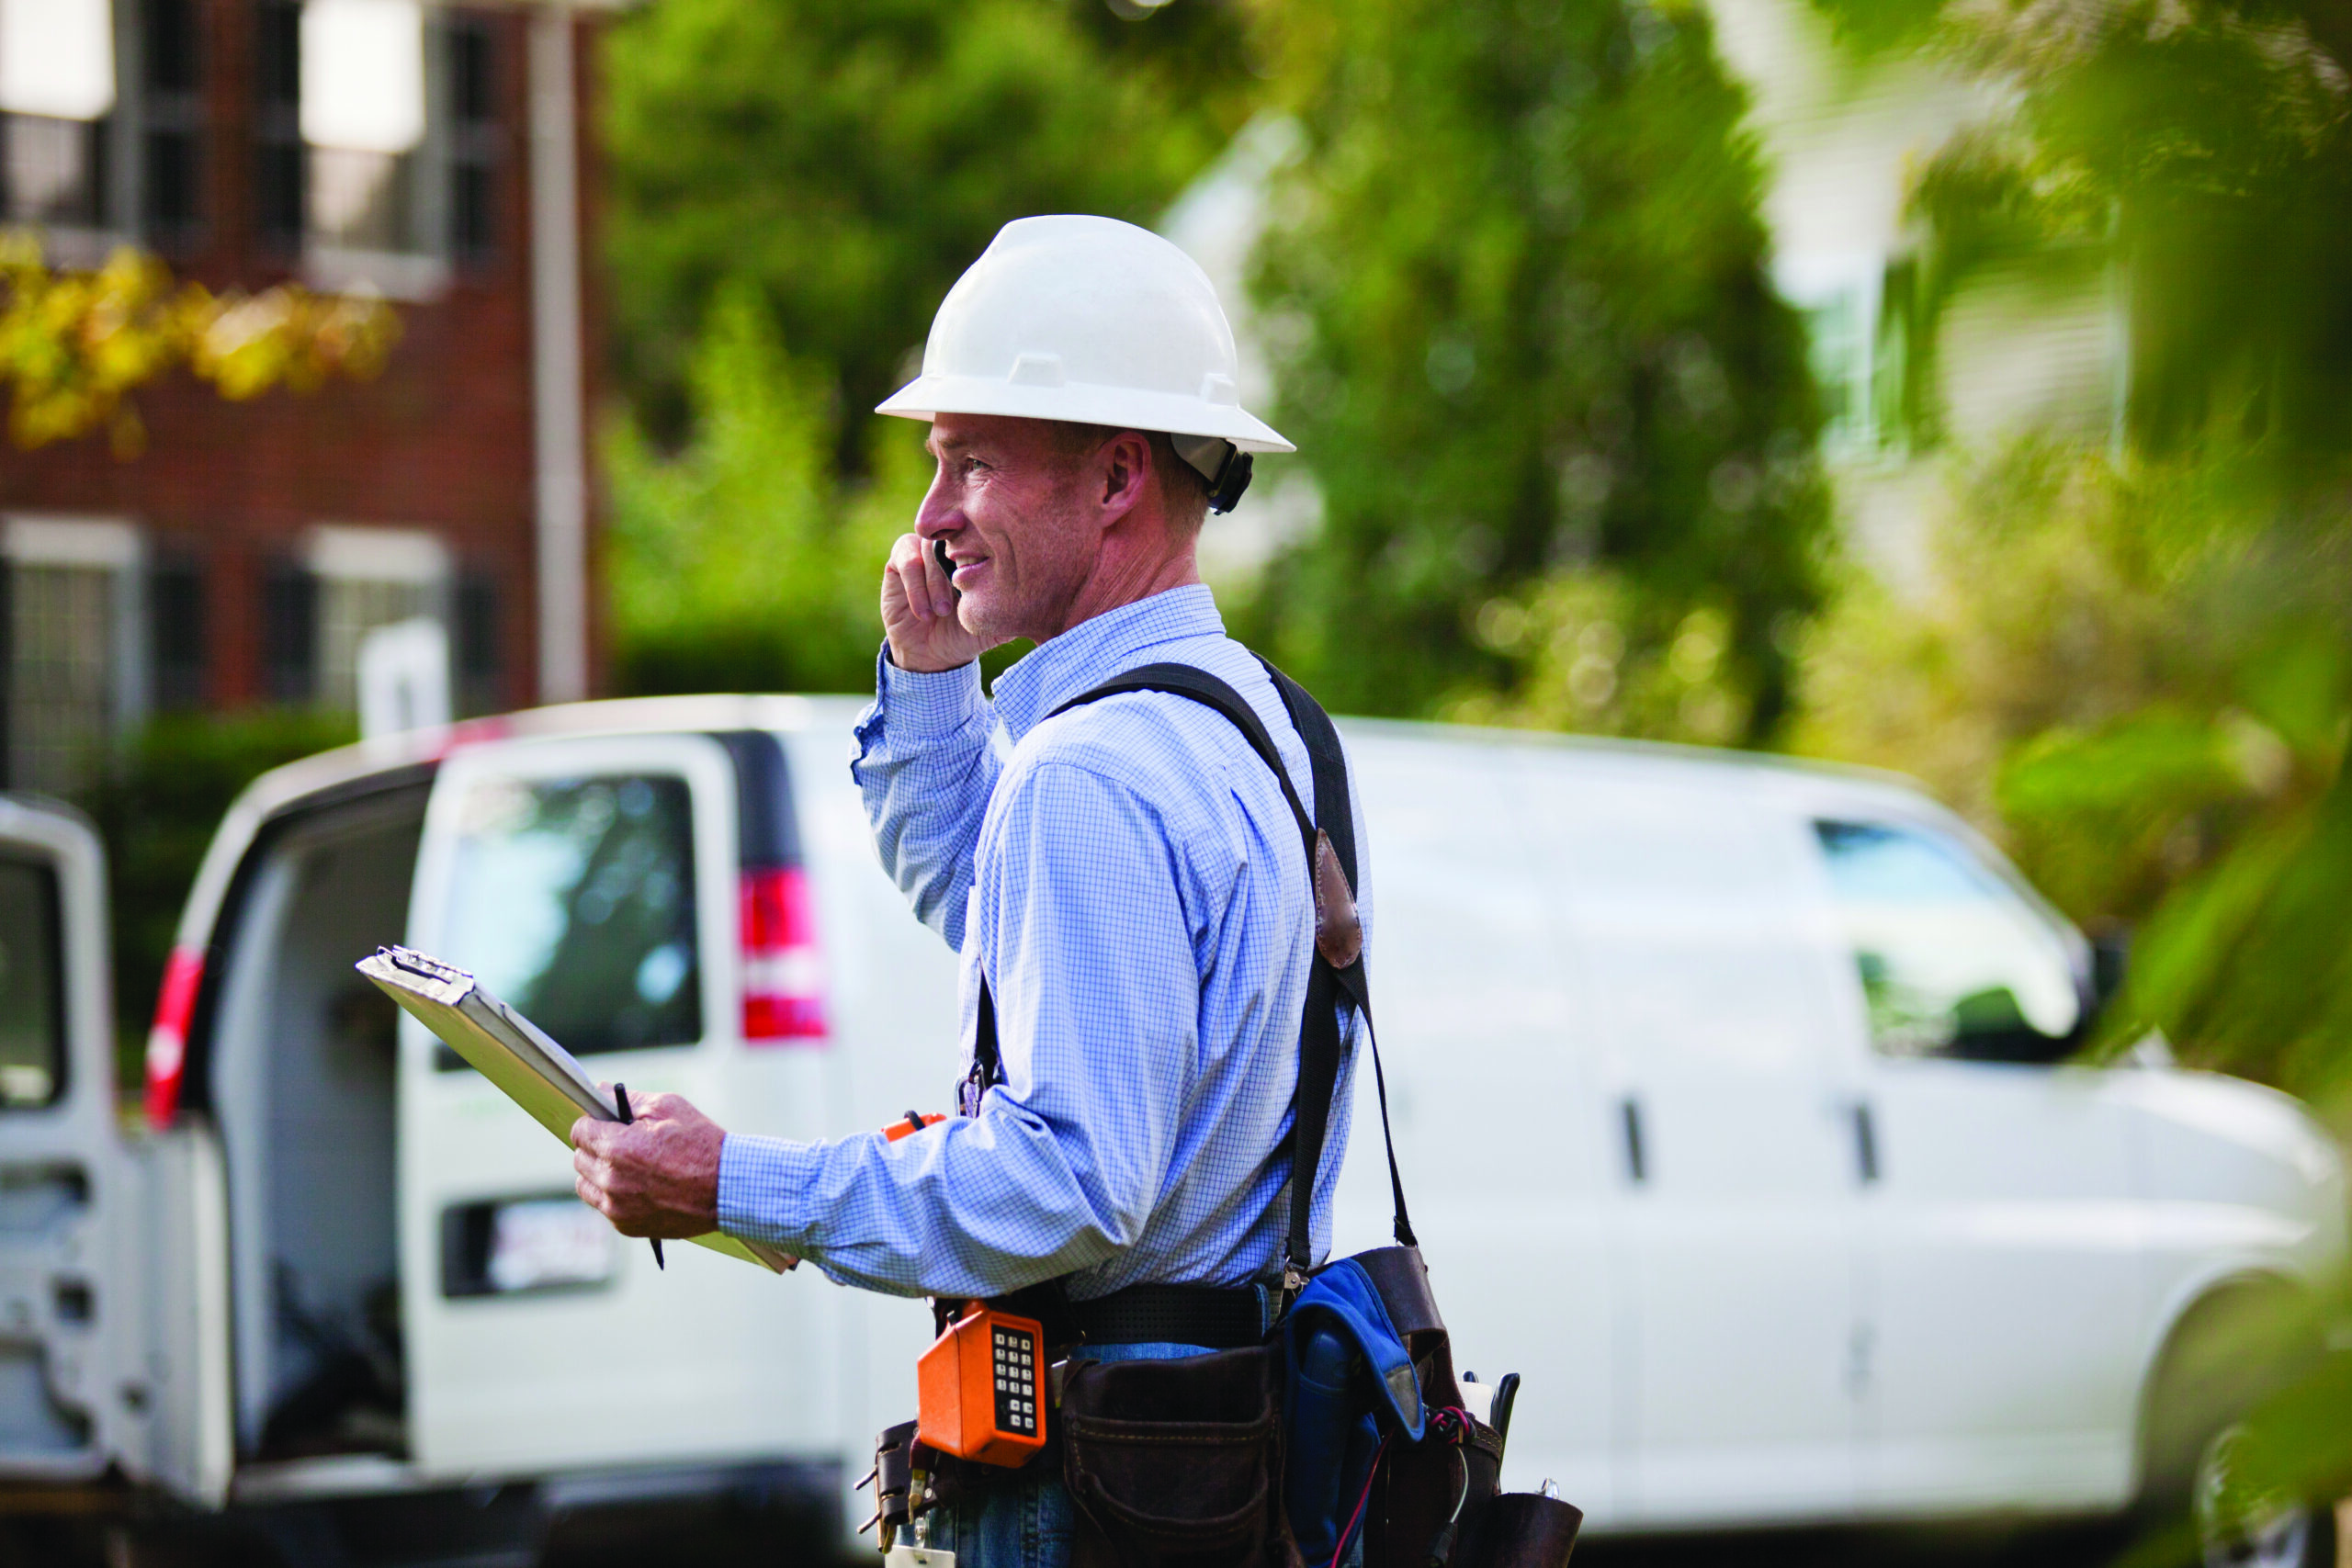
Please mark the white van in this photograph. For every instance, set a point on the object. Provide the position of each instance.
(1720, 1088)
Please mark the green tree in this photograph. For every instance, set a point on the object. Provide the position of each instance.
(742, 562)
(850, 161)
(1561, 424)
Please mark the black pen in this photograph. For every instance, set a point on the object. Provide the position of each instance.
(620, 1097)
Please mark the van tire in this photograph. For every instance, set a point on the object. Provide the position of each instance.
(2230, 1352)
(2232, 1532)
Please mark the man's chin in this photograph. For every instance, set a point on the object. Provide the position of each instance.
(978, 615)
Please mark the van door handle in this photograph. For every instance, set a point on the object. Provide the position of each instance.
(1636, 1168)
(1865, 1144)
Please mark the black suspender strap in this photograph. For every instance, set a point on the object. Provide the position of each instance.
(1335, 812)
(1327, 988)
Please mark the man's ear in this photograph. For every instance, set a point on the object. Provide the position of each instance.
(1127, 469)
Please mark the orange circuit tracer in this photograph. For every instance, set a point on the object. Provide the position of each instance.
(982, 1388)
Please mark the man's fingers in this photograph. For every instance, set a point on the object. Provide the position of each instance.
(907, 576)
(936, 580)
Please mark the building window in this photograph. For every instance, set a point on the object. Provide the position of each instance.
(377, 128)
(362, 91)
(175, 627)
(480, 686)
(1837, 329)
(475, 145)
(278, 123)
(289, 638)
(77, 666)
(171, 127)
(368, 578)
(57, 86)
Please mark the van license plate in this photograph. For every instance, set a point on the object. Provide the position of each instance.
(544, 1243)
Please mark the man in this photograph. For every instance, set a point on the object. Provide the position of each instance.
(1125, 885)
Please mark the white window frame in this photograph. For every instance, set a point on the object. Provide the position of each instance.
(114, 545)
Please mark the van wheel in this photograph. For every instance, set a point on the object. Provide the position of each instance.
(2228, 1353)
(2240, 1526)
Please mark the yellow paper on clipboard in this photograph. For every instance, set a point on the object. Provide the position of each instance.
(516, 1055)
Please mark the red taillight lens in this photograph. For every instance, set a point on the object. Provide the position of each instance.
(167, 1039)
(784, 992)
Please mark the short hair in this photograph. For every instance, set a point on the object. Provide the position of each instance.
(1182, 488)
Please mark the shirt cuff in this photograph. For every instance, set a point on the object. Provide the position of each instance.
(763, 1184)
(938, 703)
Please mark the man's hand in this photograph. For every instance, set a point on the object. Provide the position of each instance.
(657, 1175)
(919, 612)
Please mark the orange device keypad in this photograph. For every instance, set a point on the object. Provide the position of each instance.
(982, 1387)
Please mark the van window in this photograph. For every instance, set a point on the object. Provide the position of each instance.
(32, 1002)
(573, 900)
(1954, 963)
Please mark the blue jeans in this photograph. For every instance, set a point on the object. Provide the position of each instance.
(1025, 1522)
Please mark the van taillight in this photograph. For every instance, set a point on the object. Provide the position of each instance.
(784, 996)
(167, 1039)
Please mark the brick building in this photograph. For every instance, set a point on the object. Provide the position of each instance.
(435, 152)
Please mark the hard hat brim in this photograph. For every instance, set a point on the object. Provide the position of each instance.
(1125, 408)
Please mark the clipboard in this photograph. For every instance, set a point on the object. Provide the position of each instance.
(515, 1054)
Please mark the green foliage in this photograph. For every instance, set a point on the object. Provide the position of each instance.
(1584, 674)
(2139, 667)
(157, 809)
(741, 564)
(2118, 668)
(850, 161)
(1558, 357)
(2204, 149)
(75, 345)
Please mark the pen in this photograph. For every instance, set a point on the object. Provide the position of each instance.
(620, 1098)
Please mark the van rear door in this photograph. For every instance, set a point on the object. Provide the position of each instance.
(593, 884)
(69, 1399)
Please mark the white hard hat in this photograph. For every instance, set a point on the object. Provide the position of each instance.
(1087, 320)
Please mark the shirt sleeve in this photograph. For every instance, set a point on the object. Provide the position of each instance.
(1097, 1002)
(923, 763)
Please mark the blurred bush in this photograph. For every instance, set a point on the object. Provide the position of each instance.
(156, 809)
(1561, 425)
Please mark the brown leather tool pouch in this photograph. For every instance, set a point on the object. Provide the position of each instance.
(1176, 1464)
(1520, 1529)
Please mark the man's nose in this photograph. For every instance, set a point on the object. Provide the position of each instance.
(939, 515)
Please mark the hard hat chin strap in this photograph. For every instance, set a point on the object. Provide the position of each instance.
(1220, 461)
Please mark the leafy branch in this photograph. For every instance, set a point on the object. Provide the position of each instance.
(75, 345)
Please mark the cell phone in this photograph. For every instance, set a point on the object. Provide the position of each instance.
(938, 554)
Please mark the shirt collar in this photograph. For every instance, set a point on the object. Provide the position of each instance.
(1092, 652)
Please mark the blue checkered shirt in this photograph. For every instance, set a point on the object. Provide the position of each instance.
(1130, 879)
